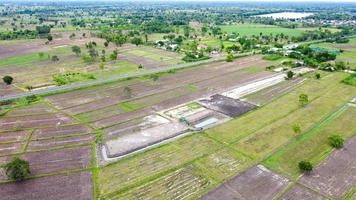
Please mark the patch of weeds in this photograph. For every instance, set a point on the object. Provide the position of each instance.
(128, 107)
(350, 80)
(71, 77)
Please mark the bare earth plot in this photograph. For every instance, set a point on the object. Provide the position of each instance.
(58, 149)
(335, 176)
(298, 192)
(257, 183)
(67, 186)
(226, 105)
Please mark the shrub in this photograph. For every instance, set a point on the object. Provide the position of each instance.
(303, 99)
(336, 141)
(17, 169)
(305, 166)
(290, 75)
(229, 58)
(7, 79)
(55, 58)
(317, 76)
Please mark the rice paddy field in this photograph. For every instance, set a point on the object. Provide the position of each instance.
(194, 166)
(256, 29)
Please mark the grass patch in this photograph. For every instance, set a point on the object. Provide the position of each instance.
(350, 80)
(255, 29)
(247, 124)
(192, 87)
(272, 57)
(129, 107)
(313, 145)
(72, 77)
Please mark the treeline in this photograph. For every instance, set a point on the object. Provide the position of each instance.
(41, 31)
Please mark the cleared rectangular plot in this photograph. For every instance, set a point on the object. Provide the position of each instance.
(335, 176)
(60, 142)
(153, 130)
(38, 108)
(13, 136)
(299, 192)
(227, 105)
(67, 186)
(34, 121)
(60, 131)
(247, 124)
(313, 145)
(266, 95)
(223, 164)
(130, 171)
(10, 148)
(44, 162)
(184, 183)
(257, 183)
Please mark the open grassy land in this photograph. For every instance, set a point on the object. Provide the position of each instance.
(35, 67)
(256, 29)
(189, 167)
(313, 144)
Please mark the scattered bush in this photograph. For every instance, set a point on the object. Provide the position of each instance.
(17, 169)
(303, 99)
(336, 141)
(317, 76)
(7, 79)
(305, 166)
(229, 58)
(290, 75)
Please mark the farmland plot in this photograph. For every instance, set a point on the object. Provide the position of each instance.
(298, 192)
(243, 126)
(313, 145)
(67, 186)
(335, 175)
(256, 183)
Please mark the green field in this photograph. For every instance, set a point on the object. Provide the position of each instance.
(256, 29)
(204, 160)
(313, 145)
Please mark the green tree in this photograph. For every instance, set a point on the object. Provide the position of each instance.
(17, 169)
(93, 53)
(317, 76)
(290, 75)
(113, 55)
(303, 99)
(49, 37)
(7, 79)
(55, 58)
(305, 166)
(340, 65)
(76, 49)
(229, 58)
(136, 40)
(336, 141)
